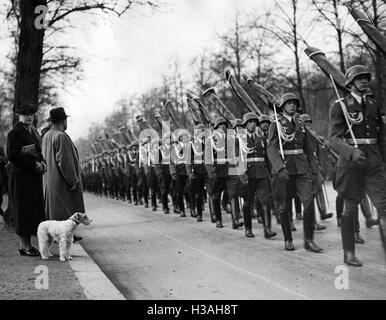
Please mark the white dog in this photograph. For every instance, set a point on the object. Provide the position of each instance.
(62, 232)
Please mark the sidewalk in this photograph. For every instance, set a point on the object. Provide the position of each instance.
(17, 274)
(79, 279)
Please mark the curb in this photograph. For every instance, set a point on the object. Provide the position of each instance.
(94, 282)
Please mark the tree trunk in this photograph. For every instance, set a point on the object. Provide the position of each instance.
(297, 59)
(237, 52)
(340, 38)
(380, 65)
(29, 58)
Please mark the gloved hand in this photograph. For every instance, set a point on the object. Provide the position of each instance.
(283, 174)
(40, 167)
(244, 178)
(358, 156)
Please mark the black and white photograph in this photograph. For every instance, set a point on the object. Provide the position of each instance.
(193, 155)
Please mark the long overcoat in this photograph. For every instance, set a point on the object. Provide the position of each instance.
(63, 171)
(25, 185)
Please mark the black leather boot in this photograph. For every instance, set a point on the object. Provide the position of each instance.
(219, 224)
(324, 216)
(382, 227)
(211, 209)
(310, 245)
(266, 217)
(249, 233)
(288, 245)
(371, 222)
(358, 238)
(235, 220)
(351, 259)
(192, 207)
(319, 227)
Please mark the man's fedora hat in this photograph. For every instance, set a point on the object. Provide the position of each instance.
(57, 114)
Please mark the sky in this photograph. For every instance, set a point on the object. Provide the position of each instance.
(126, 56)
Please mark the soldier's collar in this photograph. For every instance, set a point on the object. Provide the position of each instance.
(285, 116)
(358, 97)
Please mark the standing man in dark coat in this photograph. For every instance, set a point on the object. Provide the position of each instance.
(357, 133)
(62, 182)
(26, 188)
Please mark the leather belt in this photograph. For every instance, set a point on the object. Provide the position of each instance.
(221, 161)
(259, 159)
(362, 141)
(198, 162)
(293, 152)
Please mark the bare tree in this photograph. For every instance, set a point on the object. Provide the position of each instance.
(329, 12)
(289, 36)
(31, 37)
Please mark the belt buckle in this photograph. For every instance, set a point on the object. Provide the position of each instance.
(367, 141)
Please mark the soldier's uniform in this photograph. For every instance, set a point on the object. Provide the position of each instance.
(293, 172)
(143, 191)
(116, 174)
(151, 176)
(133, 159)
(258, 179)
(367, 175)
(319, 180)
(217, 168)
(163, 172)
(233, 181)
(196, 171)
(178, 171)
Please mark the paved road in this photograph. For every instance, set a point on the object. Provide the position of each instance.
(150, 255)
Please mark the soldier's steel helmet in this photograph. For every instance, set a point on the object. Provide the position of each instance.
(237, 122)
(200, 126)
(135, 143)
(219, 121)
(355, 71)
(288, 97)
(305, 117)
(250, 116)
(264, 118)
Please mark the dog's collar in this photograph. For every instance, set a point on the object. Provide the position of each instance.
(77, 223)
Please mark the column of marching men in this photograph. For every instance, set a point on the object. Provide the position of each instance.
(188, 171)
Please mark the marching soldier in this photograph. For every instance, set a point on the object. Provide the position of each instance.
(143, 191)
(163, 172)
(357, 134)
(263, 126)
(233, 180)
(290, 153)
(133, 157)
(178, 169)
(151, 176)
(257, 177)
(197, 173)
(217, 166)
(318, 182)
